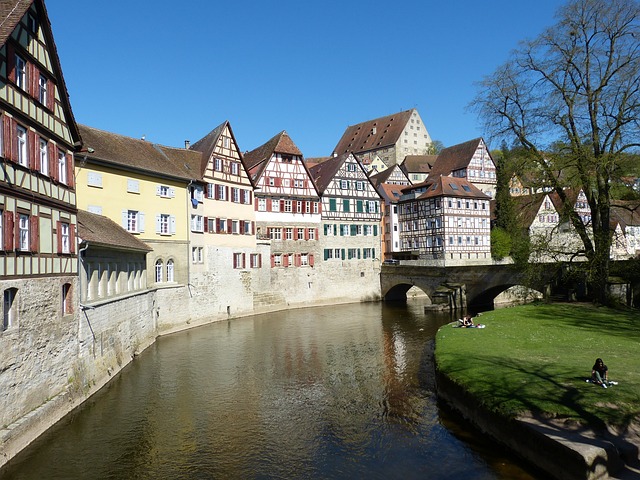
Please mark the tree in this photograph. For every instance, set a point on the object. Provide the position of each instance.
(571, 100)
(435, 147)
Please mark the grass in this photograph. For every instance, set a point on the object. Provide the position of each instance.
(535, 359)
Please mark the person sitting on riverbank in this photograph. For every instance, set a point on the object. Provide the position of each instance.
(466, 321)
(600, 373)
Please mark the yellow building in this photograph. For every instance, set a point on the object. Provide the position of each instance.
(146, 188)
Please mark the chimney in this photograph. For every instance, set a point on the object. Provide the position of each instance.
(187, 144)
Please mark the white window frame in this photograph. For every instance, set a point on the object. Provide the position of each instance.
(159, 271)
(44, 156)
(24, 233)
(42, 89)
(21, 137)
(21, 72)
(262, 204)
(62, 167)
(170, 270)
(65, 237)
(197, 223)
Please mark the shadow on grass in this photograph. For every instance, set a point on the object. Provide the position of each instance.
(534, 390)
(597, 319)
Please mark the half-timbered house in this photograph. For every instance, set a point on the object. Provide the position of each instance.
(418, 167)
(390, 225)
(470, 160)
(287, 209)
(445, 219)
(350, 237)
(393, 175)
(38, 215)
(228, 232)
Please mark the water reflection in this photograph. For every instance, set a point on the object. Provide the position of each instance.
(332, 392)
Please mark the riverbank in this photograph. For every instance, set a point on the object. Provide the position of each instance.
(523, 377)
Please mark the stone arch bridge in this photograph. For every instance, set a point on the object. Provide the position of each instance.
(457, 286)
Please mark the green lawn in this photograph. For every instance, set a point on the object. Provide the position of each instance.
(535, 358)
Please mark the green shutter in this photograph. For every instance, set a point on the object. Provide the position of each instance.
(358, 254)
(341, 230)
(354, 230)
(332, 204)
(359, 206)
(326, 254)
(343, 254)
(375, 230)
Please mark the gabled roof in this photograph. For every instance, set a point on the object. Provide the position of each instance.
(455, 157)
(418, 163)
(256, 160)
(104, 232)
(131, 153)
(11, 12)
(324, 172)
(626, 213)
(383, 176)
(528, 206)
(373, 134)
(390, 192)
(447, 187)
(313, 161)
(207, 145)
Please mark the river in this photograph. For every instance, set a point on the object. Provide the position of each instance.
(330, 392)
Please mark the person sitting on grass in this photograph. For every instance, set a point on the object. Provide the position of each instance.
(467, 321)
(600, 373)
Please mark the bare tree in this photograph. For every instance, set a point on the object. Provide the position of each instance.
(571, 99)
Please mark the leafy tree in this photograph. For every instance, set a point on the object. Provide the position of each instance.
(570, 99)
(435, 147)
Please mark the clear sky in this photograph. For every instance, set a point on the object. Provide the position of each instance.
(173, 71)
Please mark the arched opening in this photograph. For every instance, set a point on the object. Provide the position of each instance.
(159, 271)
(403, 291)
(503, 296)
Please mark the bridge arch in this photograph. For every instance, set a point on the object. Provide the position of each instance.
(508, 293)
(398, 292)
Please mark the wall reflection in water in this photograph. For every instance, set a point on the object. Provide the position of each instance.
(331, 392)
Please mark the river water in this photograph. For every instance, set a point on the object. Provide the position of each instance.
(331, 392)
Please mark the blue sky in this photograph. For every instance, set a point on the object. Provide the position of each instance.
(173, 71)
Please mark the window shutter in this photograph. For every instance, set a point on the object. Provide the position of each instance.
(241, 227)
(32, 150)
(306, 234)
(373, 253)
(353, 230)
(206, 224)
(317, 235)
(16, 230)
(34, 237)
(70, 171)
(53, 161)
(172, 224)
(259, 260)
(33, 75)
(341, 230)
(244, 264)
(273, 260)
(158, 190)
(59, 236)
(51, 95)
(235, 260)
(342, 252)
(125, 214)
(285, 260)
(226, 192)
(335, 229)
(311, 259)
(277, 181)
(249, 195)
(8, 230)
(72, 238)
(7, 137)
(229, 225)
(11, 62)
(158, 223)
(375, 230)
(172, 192)
(282, 205)
(140, 222)
(14, 141)
(253, 227)
(358, 254)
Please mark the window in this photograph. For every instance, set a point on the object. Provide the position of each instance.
(21, 72)
(234, 168)
(170, 270)
(9, 308)
(300, 234)
(275, 233)
(21, 134)
(255, 260)
(42, 89)
(275, 205)
(197, 255)
(211, 225)
(197, 223)
(67, 299)
(222, 225)
(277, 260)
(197, 193)
(287, 206)
(23, 233)
(62, 167)
(288, 233)
(235, 227)
(159, 269)
(163, 226)
(238, 260)
(235, 194)
(44, 157)
(315, 207)
(304, 259)
(344, 184)
(133, 221)
(262, 204)
(165, 191)
(64, 238)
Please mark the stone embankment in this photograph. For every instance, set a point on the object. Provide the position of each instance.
(564, 452)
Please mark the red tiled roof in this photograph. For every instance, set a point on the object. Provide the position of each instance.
(102, 231)
(373, 134)
(418, 163)
(390, 192)
(138, 154)
(455, 157)
(256, 160)
(448, 187)
(324, 172)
